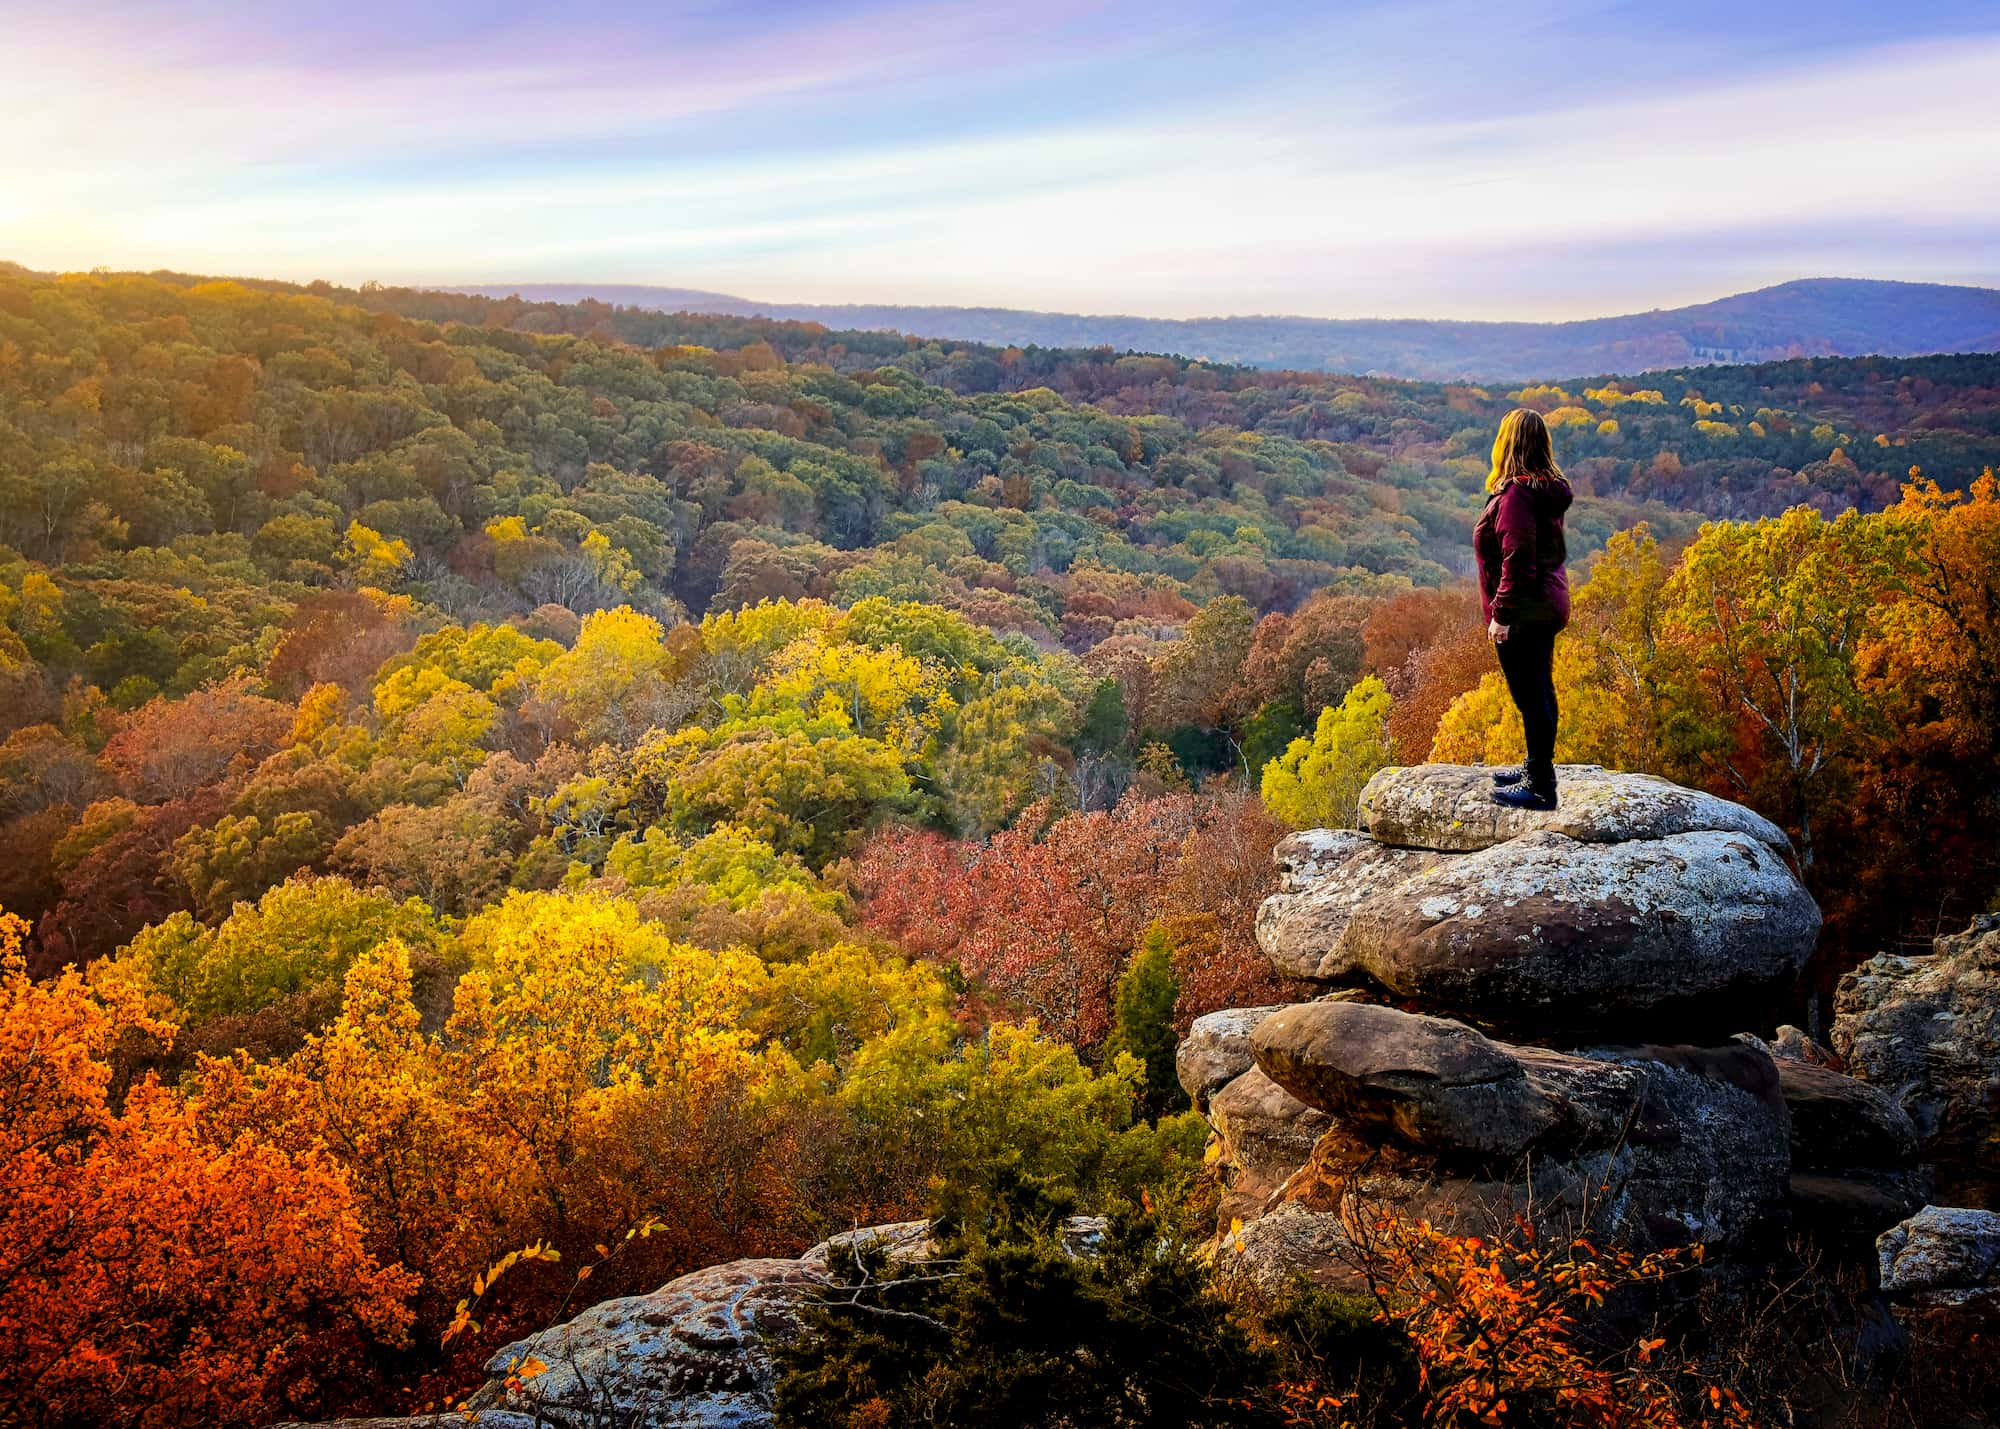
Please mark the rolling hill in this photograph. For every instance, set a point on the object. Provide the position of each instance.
(1812, 317)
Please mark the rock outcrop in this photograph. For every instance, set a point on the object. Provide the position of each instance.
(690, 1355)
(1944, 1257)
(1216, 1051)
(1636, 911)
(1566, 986)
(1854, 1169)
(1926, 1031)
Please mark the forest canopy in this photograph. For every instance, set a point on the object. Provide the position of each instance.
(480, 775)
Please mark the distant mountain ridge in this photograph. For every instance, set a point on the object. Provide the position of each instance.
(1810, 317)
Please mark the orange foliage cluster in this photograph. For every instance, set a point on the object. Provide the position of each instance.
(1498, 1330)
(152, 1273)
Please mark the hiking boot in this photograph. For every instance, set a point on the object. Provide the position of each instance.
(1525, 796)
(1503, 777)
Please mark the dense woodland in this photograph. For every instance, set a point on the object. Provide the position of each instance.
(481, 775)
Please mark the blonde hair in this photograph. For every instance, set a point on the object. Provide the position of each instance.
(1522, 451)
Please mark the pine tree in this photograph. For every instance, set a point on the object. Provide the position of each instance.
(1144, 1021)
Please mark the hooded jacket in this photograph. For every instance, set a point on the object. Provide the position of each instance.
(1519, 544)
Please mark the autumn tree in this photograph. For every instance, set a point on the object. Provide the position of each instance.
(1427, 685)
(1946, 632)
(171, 748)
(155, 1273)
(290, 950)
(620, 678)
(1316, 783)
(1046, 913)
(1198, 677)
(1771, 617)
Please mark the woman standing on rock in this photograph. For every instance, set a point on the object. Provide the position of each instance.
(1524, 592)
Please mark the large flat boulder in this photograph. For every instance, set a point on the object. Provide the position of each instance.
(1324, 875)
(1428, 1114)
(1926, 1031)
(1450, 808)
(1846, 1211)
(693, 1353)
(1427, 1081)
(690, 1353)
(1689, 936)
(1698, 1158)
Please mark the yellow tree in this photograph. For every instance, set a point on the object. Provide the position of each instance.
(1613, 677)
(1000, 737)
(881, 693)
(802, 785)
(575, 1015)
(621, 677)
(580, 1032)
(377, 1091)
(1315, 783)
(1943, 640)
(1769, 618)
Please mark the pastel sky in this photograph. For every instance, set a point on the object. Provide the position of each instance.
(1537, 159)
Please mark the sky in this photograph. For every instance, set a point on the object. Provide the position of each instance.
(1431, 158)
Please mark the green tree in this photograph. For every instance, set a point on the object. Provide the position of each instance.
(299, 938)
(1019, 1326)
(1143, 1021)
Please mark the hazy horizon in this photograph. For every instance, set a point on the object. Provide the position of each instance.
(494, 287)
(1564, 160)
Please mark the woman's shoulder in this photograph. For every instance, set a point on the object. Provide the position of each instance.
(1513, 497)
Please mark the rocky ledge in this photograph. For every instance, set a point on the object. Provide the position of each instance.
(1637, 910)
(1566, 990)
(1926, 1030)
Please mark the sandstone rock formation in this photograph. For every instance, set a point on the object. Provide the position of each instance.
(691, 1352)
(1853, 1153)
(1636, 911)
(1926, 1030)
(1431, 1118)
(1944, 1257)
(1552, 955)
(1216, 1051)
(1266, 1134)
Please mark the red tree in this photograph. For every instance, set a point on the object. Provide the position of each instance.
(1046, 914)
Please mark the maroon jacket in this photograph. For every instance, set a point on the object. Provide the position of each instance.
(1519, 544)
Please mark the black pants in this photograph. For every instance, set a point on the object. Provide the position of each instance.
(1527, 659)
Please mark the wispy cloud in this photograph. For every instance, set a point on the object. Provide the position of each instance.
(1425, 159)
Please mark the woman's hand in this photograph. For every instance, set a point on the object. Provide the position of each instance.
(1495, 631)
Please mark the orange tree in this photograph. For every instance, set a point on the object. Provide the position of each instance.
(1497, 1327)
(150, 1273)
